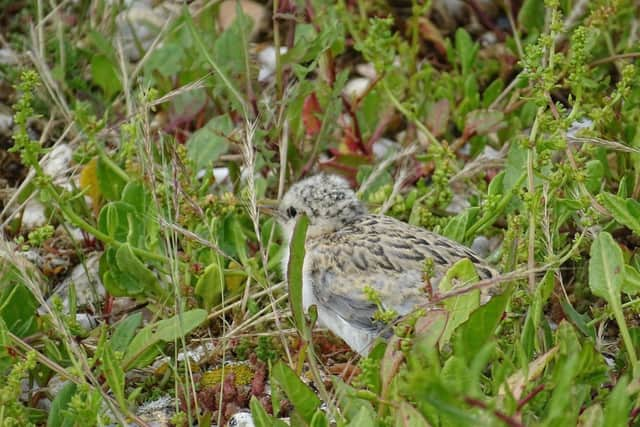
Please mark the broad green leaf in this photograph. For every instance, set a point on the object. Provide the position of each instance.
(531, 15)
(363, 418)
(57, 416)
(110, 178)
(492, 92)
(408, 416)
(261, 418)
(474, 333)
(457, 226)
(299, 394)
(631, 284)
(625, 211)
(167, 59)
(124, 332)
(460, 307)
(211, 285)
(319, 419)
(206, 144)
(606, 268)
(294, 274)
(105, 74)
(618, 406)
(128, 261)
(18, 309)
(114, 220)
(117, 282)
(456, 375)
(231, 47)
(350, 404)
(167, 330)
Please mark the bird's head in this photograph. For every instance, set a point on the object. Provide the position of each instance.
(327, 200)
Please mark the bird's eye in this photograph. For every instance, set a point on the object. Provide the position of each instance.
(291, 212)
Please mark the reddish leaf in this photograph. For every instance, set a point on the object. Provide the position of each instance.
(310, 111)
(439, 114)
(482, 122)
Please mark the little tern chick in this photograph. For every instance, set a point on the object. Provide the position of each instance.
(348, 249)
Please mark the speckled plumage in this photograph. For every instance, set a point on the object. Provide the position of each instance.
(348, 249)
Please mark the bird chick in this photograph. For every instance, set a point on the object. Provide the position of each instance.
(348, 250)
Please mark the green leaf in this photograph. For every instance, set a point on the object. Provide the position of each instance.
(625, 211)
(120, 221)
(261, 418)
(606, 276)
(408, 416)
(211, 285)
(319, 419)
(57, 415)
(457, 226)
(466, 50)
(581, 321)
(110, 182)
(631, 284)
(606, 268)
(231, 47)
(593, 416)
(363, 418)
(529, 337)
(351, 406)
(209, 142)
(117, 282)
(474, 333)
(143, 348)
(124, 332)
(303, 399)
(167, 59)
(6, 360)
(18, 308)
(460, 307)
(294, 274)
(129, 262)
(618, 407)
(531, 15)
(105, 75)
(594, 176)
(112, 371)
(492, 92)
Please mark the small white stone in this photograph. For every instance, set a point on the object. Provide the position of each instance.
(577, 126)
(87, 321)
(34, 215)
(8, 57)
(356, 87)
(88, 286)
(6, 122)
(383, 146)
(267, 60)
(367, 70)
(58, 161)
(241, 419)
(220, 174)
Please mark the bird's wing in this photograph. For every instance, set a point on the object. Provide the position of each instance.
(386, 255)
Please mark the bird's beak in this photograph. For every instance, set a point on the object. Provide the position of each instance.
(270, 207)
